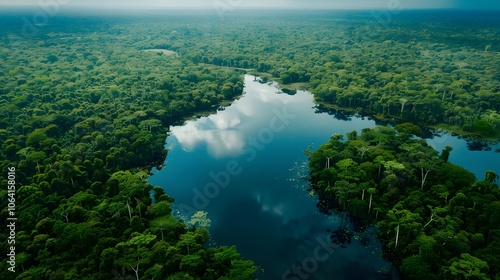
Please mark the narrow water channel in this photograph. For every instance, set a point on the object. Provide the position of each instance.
(245, 166)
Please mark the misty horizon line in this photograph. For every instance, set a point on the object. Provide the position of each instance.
(211, 7)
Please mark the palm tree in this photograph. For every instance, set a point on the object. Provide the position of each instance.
(399, 217)
(371, 191)
(377, 210)
(328, 162)
(403, 102)
(395, 221)
(491, 176)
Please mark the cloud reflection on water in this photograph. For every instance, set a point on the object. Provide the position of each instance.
(223, 134)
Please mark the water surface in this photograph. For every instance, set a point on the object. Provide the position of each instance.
(245, 166)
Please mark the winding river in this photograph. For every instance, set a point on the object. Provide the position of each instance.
(245, 166)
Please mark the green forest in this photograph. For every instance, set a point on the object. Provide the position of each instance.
(84, 118)
(436, 220)
(87, 101)
(409, 70)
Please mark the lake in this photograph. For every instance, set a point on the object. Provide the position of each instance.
(245, 166)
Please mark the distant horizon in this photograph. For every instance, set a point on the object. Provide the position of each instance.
(263, 4)
(69, 7)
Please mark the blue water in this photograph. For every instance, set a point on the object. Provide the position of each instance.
(245, 166)
(474, 156)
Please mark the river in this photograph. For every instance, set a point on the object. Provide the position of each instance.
(245, 166)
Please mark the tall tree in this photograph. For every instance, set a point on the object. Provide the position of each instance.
(399, 218)
(445, 154)
(490, 176)
(371, 191)
(425, 166)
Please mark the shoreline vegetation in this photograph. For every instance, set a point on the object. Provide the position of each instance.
(441, 126)
(494, 138)
(85, 113)
(410, 70)
(436, 220)
(83, 121)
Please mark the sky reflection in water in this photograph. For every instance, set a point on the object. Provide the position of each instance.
(266, 210)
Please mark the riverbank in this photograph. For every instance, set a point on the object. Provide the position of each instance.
(413, 211)
(454, 130)
(259, 202)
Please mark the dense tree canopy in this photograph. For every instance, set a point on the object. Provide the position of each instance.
(85, 106)
(436, 220)
(406, 70)
(84, 118)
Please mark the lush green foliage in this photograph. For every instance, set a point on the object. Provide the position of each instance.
(84, 117)
(407, 69)
(436, 221)
(84, 110)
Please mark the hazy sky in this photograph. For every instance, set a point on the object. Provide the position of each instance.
(330, 4)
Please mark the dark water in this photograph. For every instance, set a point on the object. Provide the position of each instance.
(245, 167)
